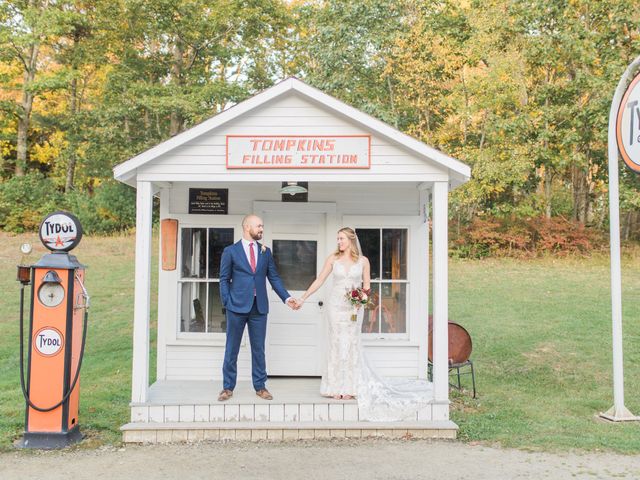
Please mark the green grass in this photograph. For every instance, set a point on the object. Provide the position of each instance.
(541, 332)
(542, 349)
(106, 370)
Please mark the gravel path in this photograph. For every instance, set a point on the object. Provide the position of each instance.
(335, 459)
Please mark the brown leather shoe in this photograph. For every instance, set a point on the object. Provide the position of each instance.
(264, 394)
(225, 395)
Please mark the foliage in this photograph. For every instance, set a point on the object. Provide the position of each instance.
(520, 90)
(110, 209)
(24, 201)
(524, 237)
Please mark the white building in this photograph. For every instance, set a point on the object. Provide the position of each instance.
(359, 172)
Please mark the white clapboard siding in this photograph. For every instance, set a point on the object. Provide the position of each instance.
(379, 151)
(290, 115)
(356, 198)
(393, 361)
(203, 363)
(220, 169)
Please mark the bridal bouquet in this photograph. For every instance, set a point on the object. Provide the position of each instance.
(357, 297)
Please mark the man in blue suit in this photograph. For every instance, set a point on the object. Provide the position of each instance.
(244, 268)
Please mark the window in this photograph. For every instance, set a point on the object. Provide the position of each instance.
(386, 249)
(200, 303)
(296, 262)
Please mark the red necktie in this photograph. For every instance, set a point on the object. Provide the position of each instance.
(252, 257)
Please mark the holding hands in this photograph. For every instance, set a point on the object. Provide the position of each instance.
(292, 303)
(295, 303)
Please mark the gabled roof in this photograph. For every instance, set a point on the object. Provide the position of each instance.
(459, 171)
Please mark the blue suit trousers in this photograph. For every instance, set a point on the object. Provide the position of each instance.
(257, 323)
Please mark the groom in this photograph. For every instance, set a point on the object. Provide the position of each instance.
(244, 268)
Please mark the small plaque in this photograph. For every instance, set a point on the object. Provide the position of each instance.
(209, 201)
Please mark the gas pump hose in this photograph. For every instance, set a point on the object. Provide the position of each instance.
(75, 378)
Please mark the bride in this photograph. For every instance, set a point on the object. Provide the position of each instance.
(347, 374)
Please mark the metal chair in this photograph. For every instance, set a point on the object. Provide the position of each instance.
(457, 374)
(460, 347)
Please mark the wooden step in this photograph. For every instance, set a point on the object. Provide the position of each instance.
(258, 412)
(280, 431)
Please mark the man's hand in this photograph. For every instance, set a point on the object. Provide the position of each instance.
(293, 305)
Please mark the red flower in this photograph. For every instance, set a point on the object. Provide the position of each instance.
(355, 294)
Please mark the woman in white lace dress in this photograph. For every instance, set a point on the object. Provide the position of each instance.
(348, 269)
(347, 374)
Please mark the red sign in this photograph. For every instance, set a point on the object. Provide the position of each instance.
(628, 126)
(298, 151)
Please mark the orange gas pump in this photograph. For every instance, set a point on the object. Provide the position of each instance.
(57, 333)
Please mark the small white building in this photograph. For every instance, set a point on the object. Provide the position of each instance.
(358, 172)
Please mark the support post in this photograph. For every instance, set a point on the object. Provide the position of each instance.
(618, 412)
(421, 254)
(440, 299)
(142, 297)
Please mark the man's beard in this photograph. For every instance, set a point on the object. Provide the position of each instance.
(256, 236)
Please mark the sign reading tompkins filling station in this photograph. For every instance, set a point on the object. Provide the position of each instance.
(298, 151)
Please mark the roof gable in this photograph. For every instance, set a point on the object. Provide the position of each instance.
(459, 172)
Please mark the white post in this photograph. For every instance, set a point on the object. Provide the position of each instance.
(618, 412)
(142, 300)
(440, 301)
(422, 261)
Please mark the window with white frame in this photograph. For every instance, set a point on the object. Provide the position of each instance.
(200, 305)
(386, 249)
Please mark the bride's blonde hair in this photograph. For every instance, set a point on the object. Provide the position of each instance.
(351, 235)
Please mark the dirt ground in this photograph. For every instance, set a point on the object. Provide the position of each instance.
(332, 459)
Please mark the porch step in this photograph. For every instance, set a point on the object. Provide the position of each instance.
(345, 411)
(280, 431)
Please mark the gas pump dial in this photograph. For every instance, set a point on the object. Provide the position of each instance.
(51, 294)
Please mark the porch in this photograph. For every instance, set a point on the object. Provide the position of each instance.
(188, 411)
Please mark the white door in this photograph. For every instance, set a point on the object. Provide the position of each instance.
(295, 339)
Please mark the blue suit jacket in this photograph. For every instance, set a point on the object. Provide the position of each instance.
(238, 281)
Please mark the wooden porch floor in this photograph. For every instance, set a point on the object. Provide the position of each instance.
(184, 411)
(285, 390)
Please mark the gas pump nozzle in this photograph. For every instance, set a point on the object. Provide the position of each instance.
(84, 295)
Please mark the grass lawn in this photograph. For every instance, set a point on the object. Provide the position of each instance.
(541, 331)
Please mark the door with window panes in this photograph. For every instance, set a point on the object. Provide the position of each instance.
(200, 306)
(295, 339)
(386, 249)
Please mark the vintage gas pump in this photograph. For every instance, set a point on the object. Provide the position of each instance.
(57, 334)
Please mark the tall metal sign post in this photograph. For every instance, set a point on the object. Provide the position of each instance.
(624, 141)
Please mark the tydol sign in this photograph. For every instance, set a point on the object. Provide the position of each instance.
(48, 341)
(628, 126)
(60, 231)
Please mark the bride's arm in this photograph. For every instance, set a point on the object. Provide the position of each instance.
(317, 283)
(366, 274)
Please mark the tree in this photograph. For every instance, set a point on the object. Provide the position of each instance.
(25, 29)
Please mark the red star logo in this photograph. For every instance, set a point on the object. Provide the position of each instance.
(59, 242)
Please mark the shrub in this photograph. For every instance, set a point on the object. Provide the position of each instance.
(111, 208)
(524, 237)
(26, 200)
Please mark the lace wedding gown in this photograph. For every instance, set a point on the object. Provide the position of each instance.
(347, 370)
